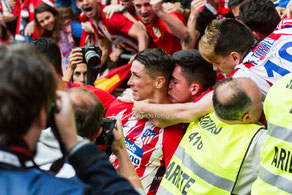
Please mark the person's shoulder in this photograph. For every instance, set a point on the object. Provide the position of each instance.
(118, 106)
(35, 181)
(53, 184)
(120, 103)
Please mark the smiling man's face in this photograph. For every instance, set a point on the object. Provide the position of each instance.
(142, 85)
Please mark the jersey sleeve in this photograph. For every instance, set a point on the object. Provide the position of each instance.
(120, 23)
(171, 139)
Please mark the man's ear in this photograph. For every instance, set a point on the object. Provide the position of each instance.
(236, 57)
(96, 135)
(247, 118)
(195, 89)
(160, 82)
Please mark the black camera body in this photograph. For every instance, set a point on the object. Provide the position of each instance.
(91, 55)
(106, 136)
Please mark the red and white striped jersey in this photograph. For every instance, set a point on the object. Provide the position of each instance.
(269, 61)
(150, 148)
(285, 23)
(114, 29)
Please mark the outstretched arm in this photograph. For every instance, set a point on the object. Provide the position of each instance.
(164, 115)
(109, 10)
(175, 25)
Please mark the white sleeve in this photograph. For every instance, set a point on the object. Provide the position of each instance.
(250, 166)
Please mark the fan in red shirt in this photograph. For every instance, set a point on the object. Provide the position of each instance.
(118, 29)
(8, 16)
(166, 30)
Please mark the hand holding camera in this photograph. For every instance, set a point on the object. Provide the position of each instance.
(75, 58)
(112, 135)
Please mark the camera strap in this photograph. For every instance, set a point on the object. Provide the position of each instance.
(57, 165)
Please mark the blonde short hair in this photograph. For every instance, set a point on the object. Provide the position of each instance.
(225, 36)
(208, 42)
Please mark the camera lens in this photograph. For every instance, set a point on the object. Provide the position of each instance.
(92, 59)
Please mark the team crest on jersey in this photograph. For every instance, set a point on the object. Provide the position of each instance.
(148, 136)
(157, 32)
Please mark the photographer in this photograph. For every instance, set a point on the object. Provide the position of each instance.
(51, 51)
(21, 122)
(78, 68)
(89, 112)
(75, 63)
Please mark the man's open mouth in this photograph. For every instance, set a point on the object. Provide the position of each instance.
(87, 9)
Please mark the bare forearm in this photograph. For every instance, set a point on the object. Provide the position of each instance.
(141, 36)
(169, 114)
(104, 58)
(105, 46)
(188, 114)
(174, 24)
(143, 40)
(193, 34)
(127, 170)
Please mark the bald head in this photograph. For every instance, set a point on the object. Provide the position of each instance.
(88, 111)
(237, 99)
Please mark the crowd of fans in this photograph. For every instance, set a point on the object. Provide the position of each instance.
(205, 108)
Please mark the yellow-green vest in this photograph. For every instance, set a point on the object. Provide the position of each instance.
(209, 157)
(275, 172)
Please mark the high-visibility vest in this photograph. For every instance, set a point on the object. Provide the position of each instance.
(275, 172)
(209, 157)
